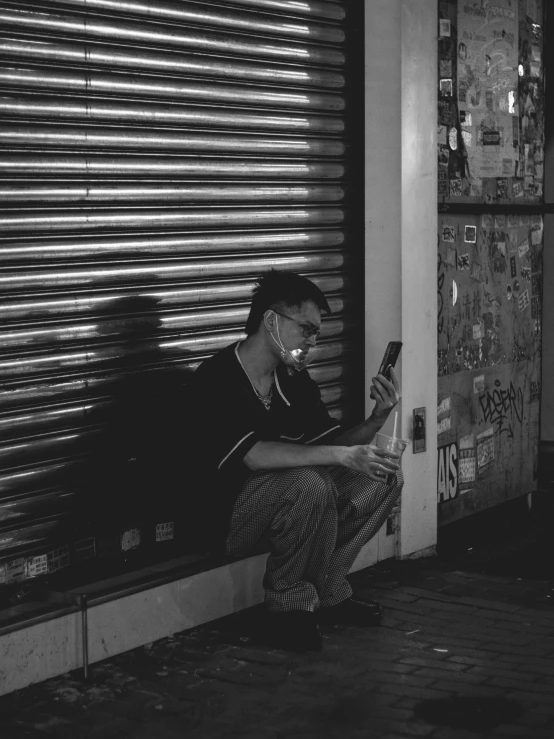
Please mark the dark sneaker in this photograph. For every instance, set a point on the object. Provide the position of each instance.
(294, 630)
(352, 613)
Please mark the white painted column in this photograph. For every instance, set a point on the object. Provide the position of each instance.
(401, 238)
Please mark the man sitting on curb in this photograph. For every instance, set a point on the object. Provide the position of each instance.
(273, 462)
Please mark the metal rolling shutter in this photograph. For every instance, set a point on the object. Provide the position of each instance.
(171, 151)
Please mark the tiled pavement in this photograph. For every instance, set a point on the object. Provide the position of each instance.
(446, 634)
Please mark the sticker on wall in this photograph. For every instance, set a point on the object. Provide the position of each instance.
(485, 450)
(58, 558)
(479, 384)
(535, 307)
(477, 331)
(456, 187)
(14, 571)
(470, 234)
(509, 292)
(487, 220)
(517, 188)
(449, 233)
(443, 406)
(37, 565)
(164, 531)
(500, 221)
(526, 274)
(444, 425)
(534, 391)
(447, 473)
(523, 300)
(444, 156)
(463, 261)
(444, 28)
(467, 463)
(513, 268)
(130, 539)
(453, 138)
(523, 248)
(446, 88)
(502, 188)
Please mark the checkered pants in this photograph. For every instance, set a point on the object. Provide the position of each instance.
(317, 519)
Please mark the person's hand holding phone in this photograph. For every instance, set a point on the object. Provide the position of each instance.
(385, 393)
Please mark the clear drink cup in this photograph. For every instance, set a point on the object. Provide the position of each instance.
(390, 444)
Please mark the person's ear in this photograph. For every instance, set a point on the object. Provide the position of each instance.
(269, 320)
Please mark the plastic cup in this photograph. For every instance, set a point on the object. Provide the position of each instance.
(390, 444)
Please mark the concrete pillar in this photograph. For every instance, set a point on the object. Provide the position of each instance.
(401, 238)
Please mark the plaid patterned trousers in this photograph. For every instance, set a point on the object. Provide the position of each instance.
(317, 520)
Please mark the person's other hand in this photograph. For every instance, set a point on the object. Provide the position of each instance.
(385, 393)
(374, 462)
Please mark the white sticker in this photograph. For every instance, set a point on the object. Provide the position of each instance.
(444, 27)
(37, 565)
(523, 248)
(478, 384)
(164, 531)
(444, 425)
(477, 334)
(444, 406)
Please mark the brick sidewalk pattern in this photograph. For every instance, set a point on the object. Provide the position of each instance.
(445, 634)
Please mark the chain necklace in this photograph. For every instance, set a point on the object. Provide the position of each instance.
(265, 399)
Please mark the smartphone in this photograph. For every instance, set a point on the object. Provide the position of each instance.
(389, 359)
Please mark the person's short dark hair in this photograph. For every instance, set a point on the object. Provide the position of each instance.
(278, 290)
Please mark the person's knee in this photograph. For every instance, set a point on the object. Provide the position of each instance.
(314, 486)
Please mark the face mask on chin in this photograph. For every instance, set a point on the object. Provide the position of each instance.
(294, 359)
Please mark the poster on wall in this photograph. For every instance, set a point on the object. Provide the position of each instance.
(488, 87)
(490, 131)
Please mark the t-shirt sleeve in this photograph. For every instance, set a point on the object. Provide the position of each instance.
(320, 426)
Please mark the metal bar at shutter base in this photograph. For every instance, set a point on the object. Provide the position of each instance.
(157, 324)
(146, 219)
(98, 357)
(36, 165)
(49, 80)
(117, 192)
(20, 249)
(152, 114)
(98, 275)
(20, 136)
(188, 14)
(166, 36)
(96, 55)
(97, 301)
(315, 8)
(63, 390)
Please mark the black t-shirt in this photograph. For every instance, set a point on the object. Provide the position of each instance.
(225, 419)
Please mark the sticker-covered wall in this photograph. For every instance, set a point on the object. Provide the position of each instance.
(489, 340)
(490, 246)
(491, 101)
